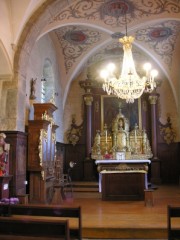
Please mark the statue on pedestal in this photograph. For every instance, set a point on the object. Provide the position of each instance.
(120, 129)
(4, 151)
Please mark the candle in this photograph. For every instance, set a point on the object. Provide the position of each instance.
(135, 136)
(106, 136)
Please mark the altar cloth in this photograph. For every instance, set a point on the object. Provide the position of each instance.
(123, 161)
(114, 161)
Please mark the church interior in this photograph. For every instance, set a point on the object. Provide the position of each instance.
(75, 132)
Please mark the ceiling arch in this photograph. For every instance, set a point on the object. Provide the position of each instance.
(73, 22)
(5, 64)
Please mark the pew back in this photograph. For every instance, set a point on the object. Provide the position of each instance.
(47, 211)
(173, 222)
(11, 226)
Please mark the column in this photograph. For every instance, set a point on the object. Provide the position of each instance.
(88, 164)
(88, 99)
(88, 85)
(155, 162)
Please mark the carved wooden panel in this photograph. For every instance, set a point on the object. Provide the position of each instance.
(33, 143)
(41, 108)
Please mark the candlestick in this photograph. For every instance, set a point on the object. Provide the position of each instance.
(135, 134)
(135, 137)
(106, 136)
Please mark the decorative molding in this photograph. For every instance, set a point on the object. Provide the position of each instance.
(88, 100)
(112, 12)
(75, 41)
(153, 99)
(167, 131)
(74, 133)
(161, 38)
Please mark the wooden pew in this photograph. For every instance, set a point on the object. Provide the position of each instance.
(173, 213)
(19, 227)
(47, 211)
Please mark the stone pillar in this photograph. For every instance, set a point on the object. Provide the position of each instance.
(155, 162)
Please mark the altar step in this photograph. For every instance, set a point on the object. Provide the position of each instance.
(85, 186)
(85, 190)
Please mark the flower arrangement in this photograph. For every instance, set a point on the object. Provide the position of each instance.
(107, 156)
(2, 168)
(9, 200)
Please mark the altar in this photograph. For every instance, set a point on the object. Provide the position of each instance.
(122, 155)
(123, 179)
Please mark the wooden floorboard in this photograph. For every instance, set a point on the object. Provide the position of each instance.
(125, 219)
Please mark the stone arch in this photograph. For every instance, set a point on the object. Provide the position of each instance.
(6, 85)
(23, 50)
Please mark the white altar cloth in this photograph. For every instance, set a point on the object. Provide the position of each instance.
(123, 161)
(110, 161)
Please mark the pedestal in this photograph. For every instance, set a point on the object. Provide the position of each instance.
(4, 186)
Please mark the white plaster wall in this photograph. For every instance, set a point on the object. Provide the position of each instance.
(167, 107)
(43, 50)
(74, 105)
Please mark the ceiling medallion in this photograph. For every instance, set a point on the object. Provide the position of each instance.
(76, 37)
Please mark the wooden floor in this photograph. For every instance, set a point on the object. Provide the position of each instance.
(124, 219)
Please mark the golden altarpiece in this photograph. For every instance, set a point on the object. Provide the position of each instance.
(120, 143)
(42, 153)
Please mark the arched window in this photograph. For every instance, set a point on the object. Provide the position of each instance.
(47, 82)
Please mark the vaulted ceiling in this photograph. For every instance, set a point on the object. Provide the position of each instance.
(87, 32)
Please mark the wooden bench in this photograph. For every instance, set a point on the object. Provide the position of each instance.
(47, 211)
(12, 226)
(173, 223)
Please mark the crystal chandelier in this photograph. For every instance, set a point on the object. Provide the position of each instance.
(129, 85)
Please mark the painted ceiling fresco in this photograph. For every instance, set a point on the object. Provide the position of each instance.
(92, 28)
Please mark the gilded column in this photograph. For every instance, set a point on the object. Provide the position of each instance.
(155, 162)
